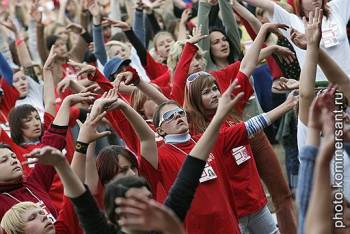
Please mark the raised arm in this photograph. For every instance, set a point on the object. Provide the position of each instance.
(251, 58)
(100, 50)
(267, 5)
(334, 73)
(318, 218)
(231, 26)
(308, 71)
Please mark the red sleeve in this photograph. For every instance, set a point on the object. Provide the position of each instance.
(9, 100)
(48, 119)
(275, 69)
(225, 76)
(246, 87)
(181, 72)
(153, 68)
(101, 80)
(55, 136)
(234, 136)
(124, 129)
(152, 175)
(163, 82)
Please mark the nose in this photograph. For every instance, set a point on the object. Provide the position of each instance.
(43, 217)
(14, 161)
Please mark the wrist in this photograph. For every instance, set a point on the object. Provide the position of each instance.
(61, 164)
(81, 146)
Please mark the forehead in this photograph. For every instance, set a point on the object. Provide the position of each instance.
(18, 74)
(164, 37)
(31, 210)
(216, 35)
(168, 107)
(5, 152)
(123, 161)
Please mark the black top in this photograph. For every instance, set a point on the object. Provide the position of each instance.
(179, 199)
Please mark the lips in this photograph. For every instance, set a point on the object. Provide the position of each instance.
(179, 121)
(17, 168)
(49, 225)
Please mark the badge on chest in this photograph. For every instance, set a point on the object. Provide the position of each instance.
(208, 174)
(240, 154)
(329, 36)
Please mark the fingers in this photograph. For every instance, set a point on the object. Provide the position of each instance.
(237, 98)
(232, 87)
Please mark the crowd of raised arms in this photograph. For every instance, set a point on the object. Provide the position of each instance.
(174, 116)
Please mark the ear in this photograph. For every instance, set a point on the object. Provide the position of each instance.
(160, 131)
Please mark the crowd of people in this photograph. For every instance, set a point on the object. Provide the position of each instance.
(160, 116)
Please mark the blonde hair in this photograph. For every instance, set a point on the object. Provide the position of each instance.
(13, 220)
(110, 44)
(159, 34)
(175, 54)
(138, 99)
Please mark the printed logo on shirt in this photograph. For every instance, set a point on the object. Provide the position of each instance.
(6, 127)
(208, 174)
(46, 210)
(240, 154)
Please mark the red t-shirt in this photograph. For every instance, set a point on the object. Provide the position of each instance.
(239, 173)
(153, 68)
(8, 100)
(211, 211)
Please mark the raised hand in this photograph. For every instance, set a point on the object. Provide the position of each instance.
(47, 155)
(51, 59)
(213, 2)
(196, 35)
(227, 101)
(119, 24)
(140, 213)
(127, 77)
(292, 99)
(34, 11)
(284, 85)
(79, 98)
(75, 28)
(88, 131)
(104, 102)
(313, 27)
(83, 68)
(274, 28)
(186, 14)
(10, 25)
(285, 53)
(298, 38)
(65, 83)
(93, 8)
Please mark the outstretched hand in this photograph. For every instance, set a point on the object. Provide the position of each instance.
(88, 130)
(127, 78)
(83, 68)
(140, 213)
(313, 27)
(47, 155)
(105, 102)
(298, 38)
(284, 85)
(196, 35)
(51, 59)
(227, 101)
(119, 24)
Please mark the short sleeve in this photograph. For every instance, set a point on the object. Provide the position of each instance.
(234, 136)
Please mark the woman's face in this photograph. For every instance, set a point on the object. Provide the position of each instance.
(219, 46)
(61, 47)
(310, 5)
(197, 64)
(10, 167)
(119, 51)
(36, 222)
(210, 97)
(164, 44)
(20, 82)
(124, 166)
(31, 129)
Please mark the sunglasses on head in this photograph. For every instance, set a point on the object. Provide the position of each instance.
(194, 77)
(170, 115)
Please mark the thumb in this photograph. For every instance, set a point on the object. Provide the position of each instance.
(103, 134)
(79, 123)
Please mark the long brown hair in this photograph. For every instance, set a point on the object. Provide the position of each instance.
(199, 118)
(297, 4)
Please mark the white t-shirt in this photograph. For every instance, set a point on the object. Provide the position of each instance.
(339, 50)
(34, 97)
(301, 134)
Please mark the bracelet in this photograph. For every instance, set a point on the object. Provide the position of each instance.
(81, 147)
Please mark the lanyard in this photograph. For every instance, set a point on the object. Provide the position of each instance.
(29, 191)
(181, 149)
